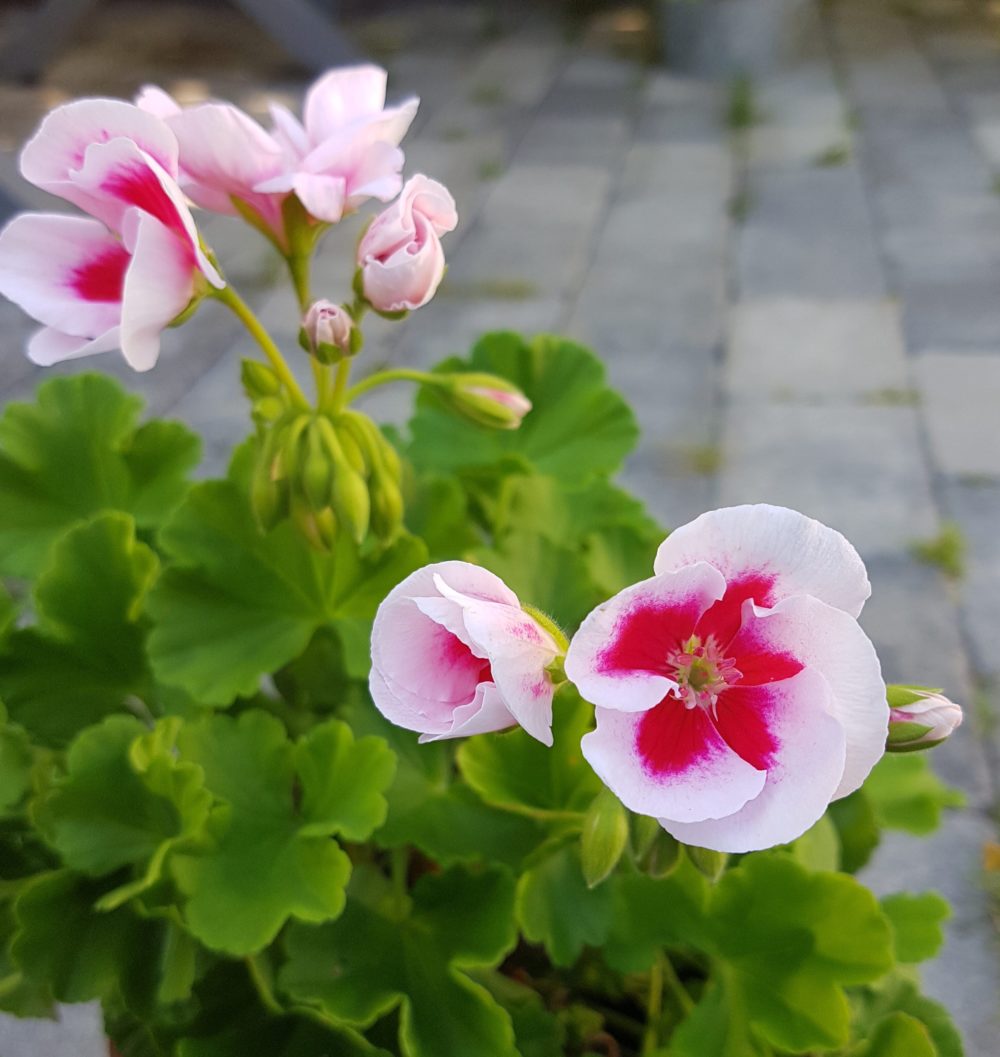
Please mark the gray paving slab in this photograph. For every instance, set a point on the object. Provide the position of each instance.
(961, 395)
(821, 349)
(808, 234)
(950, 312)
(77, 1032)
(859, 469)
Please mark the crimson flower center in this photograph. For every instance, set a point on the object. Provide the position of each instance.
(701, 672)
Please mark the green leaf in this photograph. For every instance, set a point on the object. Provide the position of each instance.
(557, 908)
(857, 829)
(537, 1032)
(76, 451)
(566, 386)
(258, 598)
(916, 922)
(430, 809)
(81, 953)
(650, 913)
(374, 958)
(899, 993)
(900, 1035)
(906, 794)
(517, 773)
(793, 940)
(86, 654)
(8, 611)
(438, 512)
(102, 815)
(15, 763)
(716, 1027)
(269, 856)
(819, 847)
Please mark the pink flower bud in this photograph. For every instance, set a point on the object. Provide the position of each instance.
(400, 255)
(327, 332)
(487, 399)
(920, 718)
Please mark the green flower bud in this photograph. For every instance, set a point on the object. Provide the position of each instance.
(604, 836)
(386, 507)
(316, 470)
(486, 399)
(712, 864)
(318, 527)
(349, 492)
(259, 380)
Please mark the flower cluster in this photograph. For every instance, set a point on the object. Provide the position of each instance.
(136, 264)
(736, 694)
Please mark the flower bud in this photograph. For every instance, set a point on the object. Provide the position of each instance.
(487, 399)
(348, 490)
(328, 332)
(604, 836)
(919, 718)
(259, 380)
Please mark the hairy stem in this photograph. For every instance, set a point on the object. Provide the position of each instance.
(229, 297)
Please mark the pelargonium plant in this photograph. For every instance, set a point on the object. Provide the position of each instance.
(422, 742)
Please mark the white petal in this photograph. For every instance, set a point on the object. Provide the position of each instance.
(159, 285)
(322, 196)
(54, 266)
(832, 643)
(700, 776)
(49, 346)
(617, 657)
(341, 96)
(797, 554)
(801, 779)
(157, 102)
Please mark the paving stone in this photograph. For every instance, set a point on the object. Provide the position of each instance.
(808, 234)
(822, 349)
(950, 312)
(965, 977)
(961, 394)
(575, 140)
(975, 506)
(858, 469)
(77, 1032)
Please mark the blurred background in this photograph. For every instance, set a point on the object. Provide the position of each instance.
(778, 222)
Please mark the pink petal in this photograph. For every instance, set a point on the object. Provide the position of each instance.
(288, 132)
(830, 642)
(68, 272)
(323, 196)
(59, 146)
(159, 285)
(806, 766)
(484, 714)
(618, 657)
(341, 96)
(49, 346)
(157, 102)
(670, 761)
(790, 552)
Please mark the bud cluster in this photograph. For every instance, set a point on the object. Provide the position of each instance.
(328, 473)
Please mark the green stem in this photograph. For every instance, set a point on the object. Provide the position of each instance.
(299, 265)
(654, 1007)
(341, 394)
(229, 297)
(676, 986)
(397, 374)
(262, 986)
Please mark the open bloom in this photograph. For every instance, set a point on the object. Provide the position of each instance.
(454, 654)
(119, 279)
(400, 255)
(736, 693)
(343, 152)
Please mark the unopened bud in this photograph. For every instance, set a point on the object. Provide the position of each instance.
(919, 718)
(488, 400)
(709, 863)
(348, 490)
(328, 332)
(604, 836)
(259, 380)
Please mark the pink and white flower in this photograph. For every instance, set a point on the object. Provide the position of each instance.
(343, 152)
(736, 693)
(400, 255)
(454, 654)
(117, 280)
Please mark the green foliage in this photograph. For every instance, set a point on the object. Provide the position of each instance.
(76, 451)
(947, 550)
(296, 876)
(386, 951)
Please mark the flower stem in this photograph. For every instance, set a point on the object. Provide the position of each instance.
(299, 265)
(262, 986)
(341, 394)
(229, 297)
(654, 1007)
(397, 374)
(676, 986)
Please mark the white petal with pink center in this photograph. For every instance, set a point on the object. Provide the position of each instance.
(776, 551)
(732, 715)
(453, 653)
